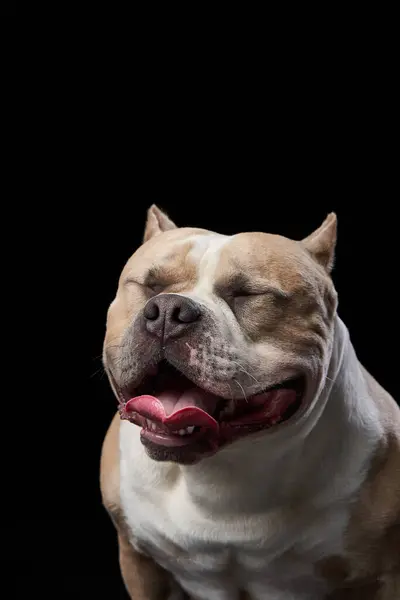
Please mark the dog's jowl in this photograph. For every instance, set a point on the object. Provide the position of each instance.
(252, 455)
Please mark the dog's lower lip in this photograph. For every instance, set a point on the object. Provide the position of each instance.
(171, 440)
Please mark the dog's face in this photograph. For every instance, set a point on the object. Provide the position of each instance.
(212, 338)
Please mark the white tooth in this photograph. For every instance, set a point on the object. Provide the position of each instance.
(148, 423)
(190, 429)
(182, 432)
(154, 426)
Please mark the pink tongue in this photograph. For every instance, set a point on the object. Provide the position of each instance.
(176, 408)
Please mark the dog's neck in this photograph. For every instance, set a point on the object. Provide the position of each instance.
(289, 468)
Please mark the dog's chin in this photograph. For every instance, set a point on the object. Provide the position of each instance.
(184, 423)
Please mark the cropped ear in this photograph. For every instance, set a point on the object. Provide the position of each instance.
(157, 222)
(322, 242)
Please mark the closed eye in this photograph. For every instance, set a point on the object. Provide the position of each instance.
(269, 290)
(248, 292)
(153, 288)
(242, 286)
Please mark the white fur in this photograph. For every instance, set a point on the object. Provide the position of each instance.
(260, 513)
(206, 252)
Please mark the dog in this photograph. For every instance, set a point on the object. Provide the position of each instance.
(252, 455)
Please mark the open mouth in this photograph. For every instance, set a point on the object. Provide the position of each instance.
(180, 421)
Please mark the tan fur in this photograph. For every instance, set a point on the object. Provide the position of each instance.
(157, 222)
(141, 278)
(177, 274)
(143, 578)
(371, 567)
(321, 243)
(291, 313)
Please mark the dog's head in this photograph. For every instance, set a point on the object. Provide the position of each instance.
(215, 338)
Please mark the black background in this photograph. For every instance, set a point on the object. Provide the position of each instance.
(93, 174)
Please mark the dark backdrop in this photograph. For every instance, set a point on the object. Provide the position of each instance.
(260, 135)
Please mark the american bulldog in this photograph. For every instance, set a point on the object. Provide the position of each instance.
(252, 455)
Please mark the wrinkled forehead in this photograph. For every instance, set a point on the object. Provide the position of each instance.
(197, 255)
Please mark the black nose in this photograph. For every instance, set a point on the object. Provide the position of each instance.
(169, 315)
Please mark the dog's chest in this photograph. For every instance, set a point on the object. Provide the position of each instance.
(213, 556)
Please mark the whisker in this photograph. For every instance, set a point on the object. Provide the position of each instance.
(101, 371)
(99, 357)
(244, 371)
(244, 393)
